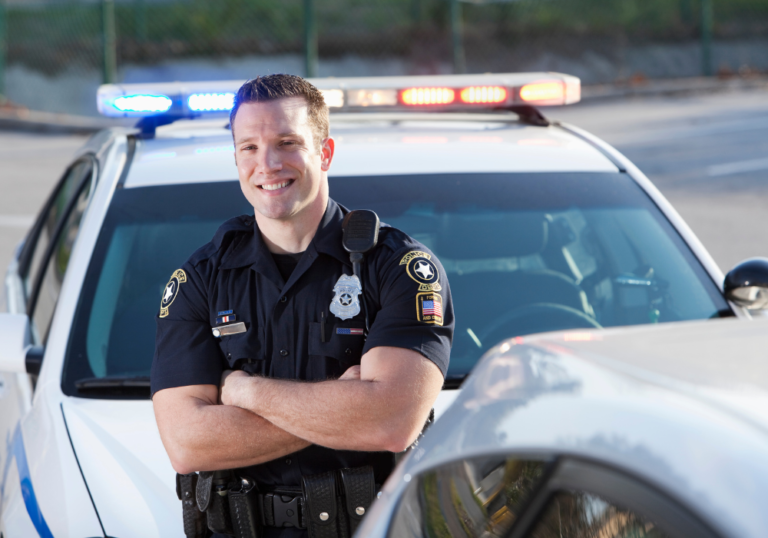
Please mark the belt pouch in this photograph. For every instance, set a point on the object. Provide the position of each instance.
(245, 510)
(322, 503)
(359, 491)
(212, 498)
(195, 525)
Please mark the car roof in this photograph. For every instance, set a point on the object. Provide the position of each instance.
(379, 144)
(683, 406)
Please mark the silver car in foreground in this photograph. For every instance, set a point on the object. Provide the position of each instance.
(648, 431)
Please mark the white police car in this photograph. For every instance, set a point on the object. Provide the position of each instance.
(643, 432)
(539, 226)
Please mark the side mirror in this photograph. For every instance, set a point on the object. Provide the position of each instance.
(747, 284)
(16, 352)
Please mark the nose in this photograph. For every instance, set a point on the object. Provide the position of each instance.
(269, 161)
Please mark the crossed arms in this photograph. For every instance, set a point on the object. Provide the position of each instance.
(380, 405)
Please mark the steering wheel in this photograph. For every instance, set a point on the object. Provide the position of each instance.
(535, 318)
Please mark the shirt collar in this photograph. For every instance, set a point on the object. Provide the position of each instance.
(251, 249)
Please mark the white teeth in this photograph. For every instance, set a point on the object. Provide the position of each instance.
(275, 187)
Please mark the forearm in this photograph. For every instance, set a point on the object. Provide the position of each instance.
(344, 415)
(207, 437)
(384, 408)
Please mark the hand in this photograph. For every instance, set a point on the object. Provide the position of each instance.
(352, 374)
(231, 381)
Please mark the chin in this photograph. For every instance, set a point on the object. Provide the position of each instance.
(277, 211)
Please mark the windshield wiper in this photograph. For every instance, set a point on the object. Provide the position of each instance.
(115, 384)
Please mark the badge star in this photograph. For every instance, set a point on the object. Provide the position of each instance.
(424, 270)
(168, 292)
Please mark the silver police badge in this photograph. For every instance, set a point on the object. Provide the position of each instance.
(345, 303)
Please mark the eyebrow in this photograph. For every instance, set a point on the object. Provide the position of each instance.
(281, 135)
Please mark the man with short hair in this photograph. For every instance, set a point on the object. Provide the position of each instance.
(253, 315)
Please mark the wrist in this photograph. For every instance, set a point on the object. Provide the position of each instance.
(246, 393)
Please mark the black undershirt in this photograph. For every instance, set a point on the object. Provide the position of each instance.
(286, 263)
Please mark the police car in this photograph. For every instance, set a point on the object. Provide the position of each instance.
(644, 432)
(539, 225)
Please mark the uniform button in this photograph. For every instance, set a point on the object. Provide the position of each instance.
(283, 299)
(287, 461)
(283, 352)
(348, 351)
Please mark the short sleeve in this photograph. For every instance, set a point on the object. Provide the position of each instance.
(416, 308)
(186, 352)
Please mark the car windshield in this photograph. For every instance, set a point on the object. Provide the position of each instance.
(524, 253)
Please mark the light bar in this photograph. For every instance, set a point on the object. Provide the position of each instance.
(427, 96)
(429, 92)
(142, 103)
(543, 91)
(200, 102)
(483, 94)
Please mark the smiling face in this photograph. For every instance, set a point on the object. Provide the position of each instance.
(282, 172)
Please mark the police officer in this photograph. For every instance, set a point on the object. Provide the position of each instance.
(271, 303)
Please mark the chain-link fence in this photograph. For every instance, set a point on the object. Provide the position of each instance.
(600, 40)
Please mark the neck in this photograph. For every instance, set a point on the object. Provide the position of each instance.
(293, 235)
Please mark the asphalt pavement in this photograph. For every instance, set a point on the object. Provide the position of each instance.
(708, 153)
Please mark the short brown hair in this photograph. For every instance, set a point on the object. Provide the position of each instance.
(279, 86)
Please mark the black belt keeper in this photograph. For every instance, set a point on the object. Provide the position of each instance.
(322, 501)
(195, 524)
(359, 491)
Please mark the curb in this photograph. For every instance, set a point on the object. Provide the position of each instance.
(48, 122)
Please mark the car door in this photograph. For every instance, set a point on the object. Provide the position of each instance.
(515, 497)
(41, 267)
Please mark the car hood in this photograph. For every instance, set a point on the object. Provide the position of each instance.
(125, 466)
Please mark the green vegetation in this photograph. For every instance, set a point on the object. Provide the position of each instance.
(49, 37)
(435, 524)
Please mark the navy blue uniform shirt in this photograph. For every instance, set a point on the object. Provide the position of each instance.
(234, 279)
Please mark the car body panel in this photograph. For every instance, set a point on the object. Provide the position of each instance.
(567, 394)
(49, 455)
(121, 436)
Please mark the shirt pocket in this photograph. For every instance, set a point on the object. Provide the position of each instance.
(342, 348)
(245, 351)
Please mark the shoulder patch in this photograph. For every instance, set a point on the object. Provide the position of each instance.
(429, 308)
(171, 291)
(421, 269)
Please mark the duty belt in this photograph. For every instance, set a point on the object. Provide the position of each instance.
(283, 509)
(328, 505)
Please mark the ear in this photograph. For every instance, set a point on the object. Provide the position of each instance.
(326, 153)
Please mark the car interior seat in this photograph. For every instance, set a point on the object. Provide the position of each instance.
(502, 287)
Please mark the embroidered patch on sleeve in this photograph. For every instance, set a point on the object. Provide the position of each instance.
(429, 308)
(171, 291)
(421, 268)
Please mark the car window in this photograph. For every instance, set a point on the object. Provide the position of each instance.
(524, 253)
(50, 219)
(473, 497)
(54, 270)
(576, 514)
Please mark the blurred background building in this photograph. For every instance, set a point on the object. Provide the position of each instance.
(54, 53)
